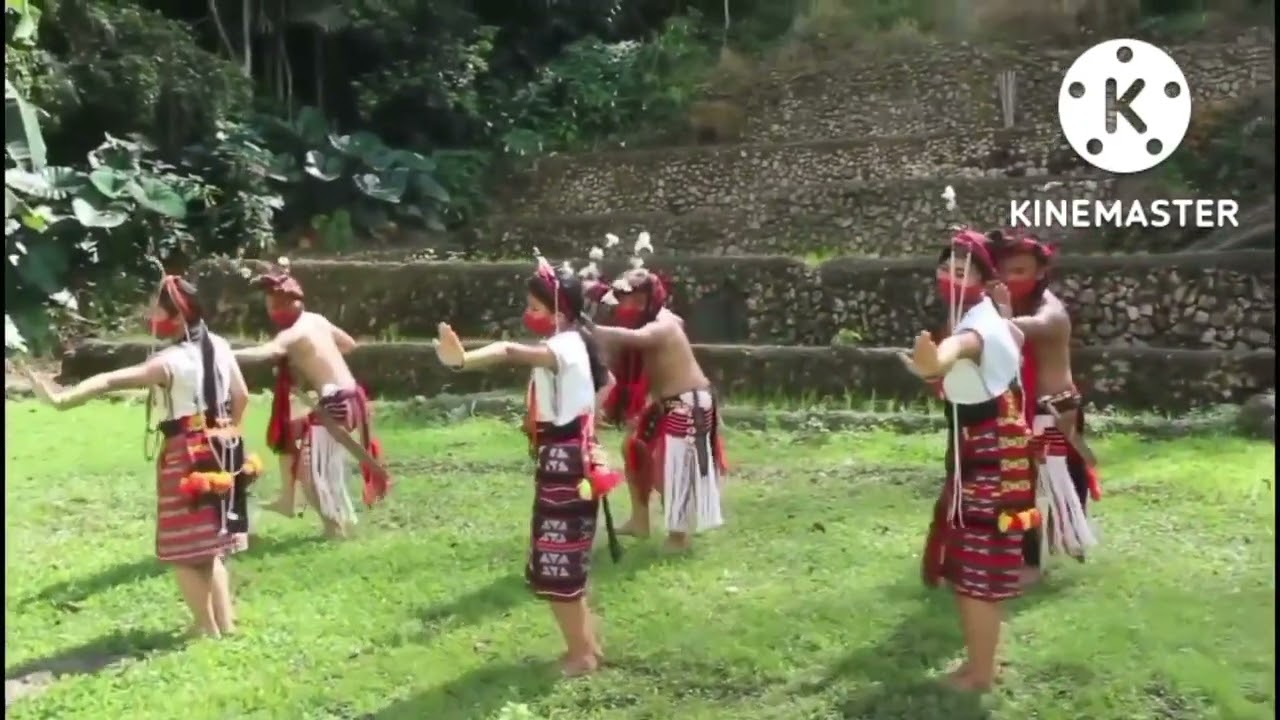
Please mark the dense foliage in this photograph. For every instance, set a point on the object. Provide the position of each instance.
(141, 131)
(146, 131)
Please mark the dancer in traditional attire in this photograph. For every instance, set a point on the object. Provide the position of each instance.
(315, 449)
(674, 444)
(988, 501)
(571, 477)
(1056, 417)
(202, 472)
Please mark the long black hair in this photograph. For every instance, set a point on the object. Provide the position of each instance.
(178, 297)
(569, 298)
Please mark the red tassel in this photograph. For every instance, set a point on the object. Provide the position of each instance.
(722, 465)
(635, 454)
(1095, 483)
(603, 480)
(376, 485)
(1030, 378)
(278, 438)
(933, 560)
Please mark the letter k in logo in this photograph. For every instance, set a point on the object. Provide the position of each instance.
(1123, 106)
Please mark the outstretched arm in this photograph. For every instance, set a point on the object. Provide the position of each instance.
(273, 349)
(451, 353)
(1050, 321)
(642, 338)
(931, 361)
(152, 372)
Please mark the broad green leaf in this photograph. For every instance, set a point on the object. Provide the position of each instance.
(52, 183)
(11, 202)
(44, 266)
(109, 181)
(415, 162)
(90, 216)
(388, 187)
(13, 339)
(323, 167)
(24, 32)
(363, 145)
(158, 197)
(427, 185)
(310, 126)
(22, 124)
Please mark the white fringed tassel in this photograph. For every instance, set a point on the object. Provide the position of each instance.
(1067, 527)
(328, 460)
(691, 500)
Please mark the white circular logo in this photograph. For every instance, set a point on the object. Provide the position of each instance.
(1124, 106)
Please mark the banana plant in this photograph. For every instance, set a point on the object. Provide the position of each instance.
(388, 183)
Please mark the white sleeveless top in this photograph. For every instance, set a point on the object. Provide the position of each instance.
(970, 383)
(186, 373)
(566, 392)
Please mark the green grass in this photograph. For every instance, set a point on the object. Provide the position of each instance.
(808, 605)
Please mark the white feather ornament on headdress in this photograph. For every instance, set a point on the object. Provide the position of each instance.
(642, 243)
(596, 254)
(611, 240)
(542, 261)
(949, 197)
(566, 267)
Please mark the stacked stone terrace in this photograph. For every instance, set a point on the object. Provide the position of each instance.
(805, 256)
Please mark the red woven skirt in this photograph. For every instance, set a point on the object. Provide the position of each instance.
(184, 534)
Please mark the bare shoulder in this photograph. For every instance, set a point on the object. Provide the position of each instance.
(670, 319)
(1054, 305)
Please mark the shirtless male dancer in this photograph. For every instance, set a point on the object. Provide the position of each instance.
(309, 452)
(1067, 478)
(674, 446)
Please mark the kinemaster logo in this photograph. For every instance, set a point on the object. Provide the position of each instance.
(1124, 107)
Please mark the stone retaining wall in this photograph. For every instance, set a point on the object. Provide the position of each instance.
(1220, 300)
(954, 87)
(678, 180)
(891, 219)
(1138, 379)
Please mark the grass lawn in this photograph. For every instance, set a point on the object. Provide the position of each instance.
(808, 605)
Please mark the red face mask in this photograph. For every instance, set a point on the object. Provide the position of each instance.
(629, 316)
(1021, 288)
(968, 295)
(166, 328)
(284, 319)
(540, 324)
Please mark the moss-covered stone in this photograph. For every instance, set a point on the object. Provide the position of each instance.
(890, 219)
(1209, 301)
(954, 86)
(1134, 378)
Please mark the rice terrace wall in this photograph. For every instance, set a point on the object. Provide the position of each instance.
(803, 256)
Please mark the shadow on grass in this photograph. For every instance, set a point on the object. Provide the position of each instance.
(100, 653)
(896, 672)
(480, 693)
(510, 591)
(69, 594)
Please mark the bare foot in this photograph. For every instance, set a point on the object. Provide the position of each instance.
(279, 507)
(1029, 576)
(579, 666)
(196, 632)
(678, 543)
(634, 528)
(963, 679)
